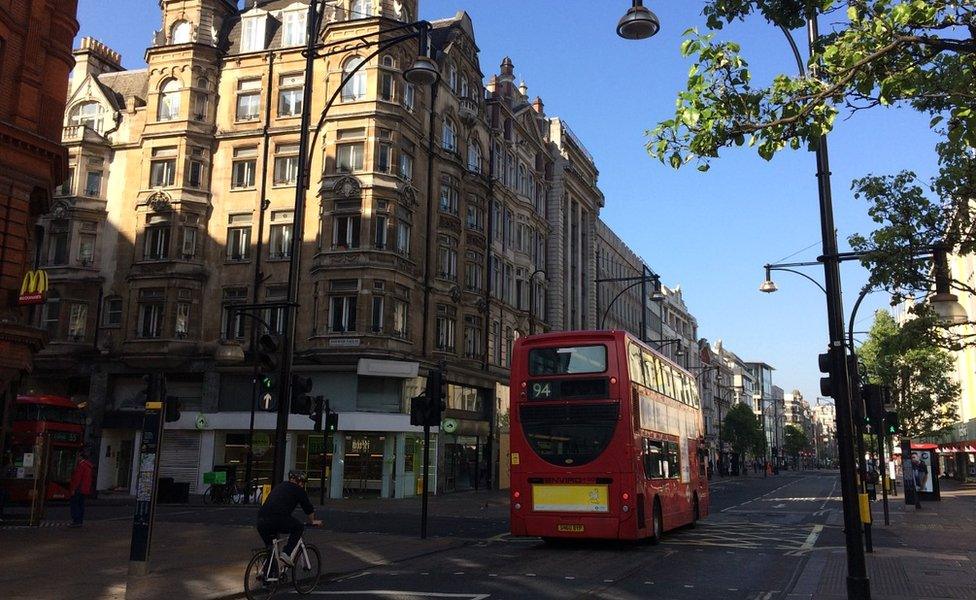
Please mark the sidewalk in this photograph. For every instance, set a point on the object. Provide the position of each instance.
(187, 561)
(923, 555)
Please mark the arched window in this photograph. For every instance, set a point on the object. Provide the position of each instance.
(474, 157)
(355, 88)
(388, 61)
(449, 136)
(464, 87)
(88, 114)
(360, 9)
(169, 100)
(180, 33)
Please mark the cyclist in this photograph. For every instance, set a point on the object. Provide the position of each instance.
(274, 517)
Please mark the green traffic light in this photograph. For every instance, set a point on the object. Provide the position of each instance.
(267, 382)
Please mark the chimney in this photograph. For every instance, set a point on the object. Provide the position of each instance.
(93, 58)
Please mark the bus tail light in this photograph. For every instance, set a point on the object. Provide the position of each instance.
(516, 494)
(613, 381)
(625, 496)
(518, 506)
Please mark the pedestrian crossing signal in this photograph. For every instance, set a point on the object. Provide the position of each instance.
(891, 422)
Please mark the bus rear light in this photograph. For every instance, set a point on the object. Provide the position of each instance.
(516, 494)
(613, 381)
(518, 506)
(524, 385)
(625, 496)
(626, 508)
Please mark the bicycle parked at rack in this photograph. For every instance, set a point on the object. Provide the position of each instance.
(266, 573)
(225, 493)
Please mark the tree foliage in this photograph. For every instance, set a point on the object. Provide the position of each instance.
(794, 440)
(915, 54)
(743, 431)
(918, 373)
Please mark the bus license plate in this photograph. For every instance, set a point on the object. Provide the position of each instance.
(570, 528)
(571, 498)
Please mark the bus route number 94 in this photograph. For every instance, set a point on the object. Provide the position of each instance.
(541, 391)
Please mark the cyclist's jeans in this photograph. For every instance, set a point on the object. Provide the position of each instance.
(269, 527)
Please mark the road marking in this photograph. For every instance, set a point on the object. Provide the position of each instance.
(809, 543)
(779, 506)
(401, 593)
(830, 495)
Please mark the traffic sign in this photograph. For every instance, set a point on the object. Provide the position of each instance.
(266, 401)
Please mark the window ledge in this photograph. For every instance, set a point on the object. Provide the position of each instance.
(243, 189)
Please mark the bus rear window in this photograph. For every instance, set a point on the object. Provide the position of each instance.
(568, 361)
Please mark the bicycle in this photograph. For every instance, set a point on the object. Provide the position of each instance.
(263, 576)
(226, 493)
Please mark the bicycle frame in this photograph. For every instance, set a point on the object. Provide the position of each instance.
(276, 545)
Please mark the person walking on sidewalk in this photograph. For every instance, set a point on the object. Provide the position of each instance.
(80, 486)
(920, 474)
(274, 517)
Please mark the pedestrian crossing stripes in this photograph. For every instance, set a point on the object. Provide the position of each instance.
(6, 526)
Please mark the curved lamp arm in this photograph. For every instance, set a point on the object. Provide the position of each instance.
(811, 279)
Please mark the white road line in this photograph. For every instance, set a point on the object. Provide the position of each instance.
(402, 593)
(830, 495)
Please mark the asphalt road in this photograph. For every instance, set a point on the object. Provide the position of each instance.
(752, 546)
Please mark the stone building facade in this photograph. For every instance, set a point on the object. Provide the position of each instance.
(35, 58)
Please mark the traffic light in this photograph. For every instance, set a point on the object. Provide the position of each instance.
(173, 408)
(331, 421)
(891, 426)
(318, 406)
(826, 385)
(418, 409)
(301, 402)
(268, 353)
(435, 395)
(873, 395)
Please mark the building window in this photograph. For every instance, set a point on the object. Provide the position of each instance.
(360, 9)
(465, 92)
(475, 216)
(507, 348)
(189, 249)
(87, 114)
(286, 164)
(452, 78)
(473, 342)
(291, 95)
(349, 158)
(409, 95)
(51, 316)
(343, 315)
(86, 244)
(200, 101)
(294, 28)
(57, 243)
(384, 157)
(449, 196)
(233, 321)
(379, 232)
(386, 86)
(399, 318)
(496, 343)
(112, 312)
(77, 321)
(162, 167)
(449, 136)
(67, 186)
(406, 166)
(194, 170)
(169, 101)
(182, 328)
(180, 33)
(446, 325)
(157, 238)
(474, 157)
(248, 100)
(447, 257)
(275, 317)
(151, 305)
(473, 271)
(281, 231)
(239, 237)
(403, 231)
(345, 232)
(355, 88)
(377, 315)
(244, 167)
(253, 36)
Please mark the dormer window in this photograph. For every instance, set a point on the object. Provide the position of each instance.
(88, 114)
(180, 33)
(294, 28)
(253, 33)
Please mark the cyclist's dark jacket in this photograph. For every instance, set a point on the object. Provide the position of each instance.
(283, 499)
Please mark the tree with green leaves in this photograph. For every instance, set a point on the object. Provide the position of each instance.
(795, 441)
(743, 431)
(879, 55)
(918, 372)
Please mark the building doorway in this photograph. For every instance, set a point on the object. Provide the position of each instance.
(363, 465)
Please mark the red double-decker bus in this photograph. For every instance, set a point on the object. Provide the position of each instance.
(62, 424)
(606, 439)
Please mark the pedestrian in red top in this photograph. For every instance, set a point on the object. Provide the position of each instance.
(81, 486)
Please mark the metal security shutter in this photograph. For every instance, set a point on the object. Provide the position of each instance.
(181, 457)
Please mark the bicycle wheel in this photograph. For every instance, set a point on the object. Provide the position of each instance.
(307, 573)
(255, 587)
(208, 495)
(237, 494)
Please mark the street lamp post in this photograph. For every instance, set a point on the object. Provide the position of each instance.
(646, 276)
(640, 23)
(423, 72)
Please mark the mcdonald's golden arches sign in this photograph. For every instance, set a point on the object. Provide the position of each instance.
(34, 288)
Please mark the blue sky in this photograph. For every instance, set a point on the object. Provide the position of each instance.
(711, 233)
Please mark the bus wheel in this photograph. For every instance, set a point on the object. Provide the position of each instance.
(696, 512)
(657, 524)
